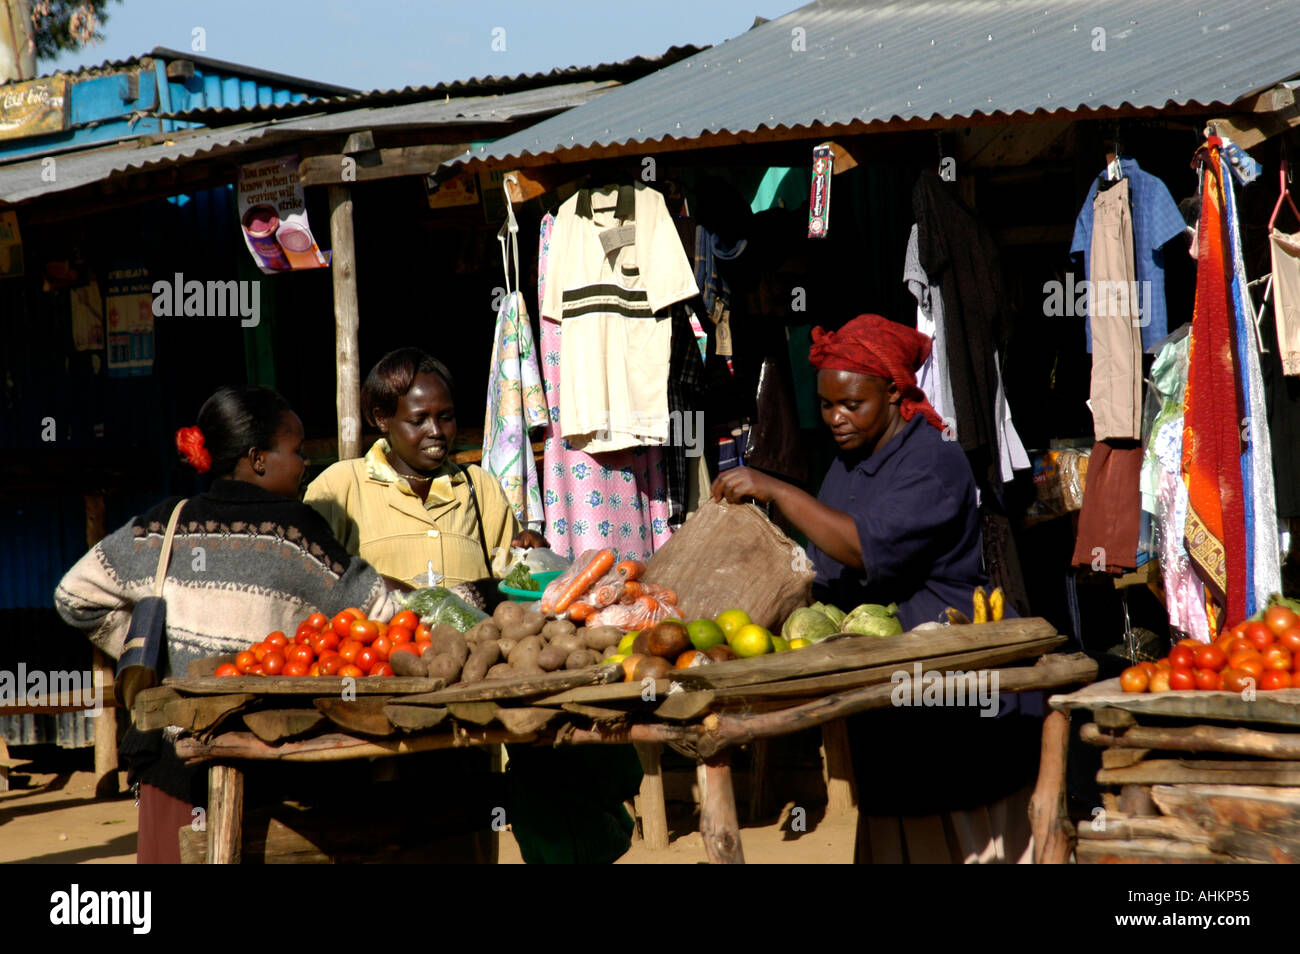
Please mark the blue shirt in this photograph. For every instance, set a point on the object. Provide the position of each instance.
(1156, 221)
(914, 505)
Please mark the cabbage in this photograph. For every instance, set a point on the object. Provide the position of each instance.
(872, 619)
(808, 623)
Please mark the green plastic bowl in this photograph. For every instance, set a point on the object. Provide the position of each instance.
(529, 596)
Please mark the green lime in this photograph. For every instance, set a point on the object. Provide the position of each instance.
(705, 634)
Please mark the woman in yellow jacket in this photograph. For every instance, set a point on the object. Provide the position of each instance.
(405, 503)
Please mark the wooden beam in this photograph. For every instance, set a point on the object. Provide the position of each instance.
(837, 768)
(650, 802)
(376, 164)
(1200, 738)
(1248, 130)
(347, 320)
(1048, 817)
(225, 817)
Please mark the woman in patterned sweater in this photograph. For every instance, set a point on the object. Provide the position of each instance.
(247, 559)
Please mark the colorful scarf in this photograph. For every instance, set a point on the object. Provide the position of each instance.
(1212, 406)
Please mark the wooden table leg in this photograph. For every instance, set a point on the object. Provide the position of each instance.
(4, 765)
(653, 810)
(1053, 834)
(106, 781)
(225, 814)
(837, 762)
(719, 825)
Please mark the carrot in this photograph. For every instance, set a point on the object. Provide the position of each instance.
(630, 569)
(593, 571)
(661, 593)
(579, 612)
(631, 591)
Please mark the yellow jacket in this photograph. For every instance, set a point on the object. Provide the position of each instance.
(375, 514)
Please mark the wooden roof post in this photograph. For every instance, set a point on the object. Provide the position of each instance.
(346, 321)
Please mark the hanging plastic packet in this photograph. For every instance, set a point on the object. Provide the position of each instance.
(819, 196)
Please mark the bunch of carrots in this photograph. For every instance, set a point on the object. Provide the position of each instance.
(600, 591)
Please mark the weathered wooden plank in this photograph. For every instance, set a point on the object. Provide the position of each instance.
(1199, 738)
(837, 768)
(334, 746)
(1048, 817)
(276, 725)
(384, 163)
(225, 817)
(681, 706)
(525, 719)
(520, 688)
(1195, 772)
(200, 713)
(1147, 851)
(651, 806)
(148, 710)
(1114, 826)
(360, 715)
(1121, 758)
(303, 685)
(347, 319)
(1111, 718)
(614, 692)
(719, 825)
(595, 713)
(1245, 821)
(1281, 706)
(477, 713)
(414, 718)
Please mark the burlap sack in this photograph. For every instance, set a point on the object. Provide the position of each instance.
(730, 556)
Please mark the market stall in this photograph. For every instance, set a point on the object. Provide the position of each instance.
(703, 712)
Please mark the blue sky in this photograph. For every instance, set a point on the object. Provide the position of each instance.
(386, 44)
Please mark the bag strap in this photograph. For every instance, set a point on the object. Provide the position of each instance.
(165, 556)
(478, 517)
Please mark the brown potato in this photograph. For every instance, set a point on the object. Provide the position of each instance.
(558, 627)
(486, 629)
(500, 671)
(721, 653)
(444, 666)
(608, 651)
(506, 646)
(525, 653)
(570, 643)
(552, 658)
(651, 667)
(408, 664)
(532, 622)
(581, 659)
(507, 613)
(601, 637)
(452, 643)
(530, 671)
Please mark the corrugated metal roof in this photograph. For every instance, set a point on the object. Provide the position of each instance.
(20, 181)
(881, 61)
(623, 71)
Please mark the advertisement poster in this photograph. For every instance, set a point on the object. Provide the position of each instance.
(273, 217)
(11, 246)
(130, 323)
(87, 318)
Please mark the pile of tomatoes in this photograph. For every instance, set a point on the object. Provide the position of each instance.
(1252, 655)
(347, 645)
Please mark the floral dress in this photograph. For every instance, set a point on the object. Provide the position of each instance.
(618, 499)
(515, 405)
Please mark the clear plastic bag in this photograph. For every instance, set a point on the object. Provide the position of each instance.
(645, 611)
(437, 604)
(553, 601)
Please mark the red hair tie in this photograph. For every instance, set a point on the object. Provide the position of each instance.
(189, 441)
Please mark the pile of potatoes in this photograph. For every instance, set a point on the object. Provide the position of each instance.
(514, 642)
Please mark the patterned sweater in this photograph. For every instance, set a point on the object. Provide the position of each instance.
(245, 562)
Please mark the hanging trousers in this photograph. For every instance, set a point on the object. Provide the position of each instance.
(1116, 391)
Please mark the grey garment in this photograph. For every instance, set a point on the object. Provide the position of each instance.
(930, 301)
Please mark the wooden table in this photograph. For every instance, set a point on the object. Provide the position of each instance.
(1191, 776)
(703, 712)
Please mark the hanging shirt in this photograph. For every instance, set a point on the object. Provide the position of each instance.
(1156, 221)
(615, 353)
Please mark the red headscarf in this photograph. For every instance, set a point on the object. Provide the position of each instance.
(870, 344)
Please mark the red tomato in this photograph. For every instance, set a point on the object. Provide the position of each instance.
(363, 631)
(304, 634)
(367, 658)
(1160, 681)
(1225, 641)
(1260, 635)
(1134, 679)
(314, 669)
(1210, 657)
(348, 649)
(1148, 667)
(350, 672)
(273, 662)
(227, 669)
(400, 634)
(256, 670)
(317, 621)
(1240, 644)
(245, 660)
(301, 654)
(1182, 678)
(1253, 665)
(1163, 664)
(1235, 659)
(1275, 679)
(1289, 639)
(1237, 680)
(1192, 644)
(381, 669)
(294, 669)
(277, 639)
(383, 645)
(423, 634)
(1181, 657)
(1208, 679)
(407, 648)
(331, 664)
(406, 619)
(1279, 619)
(1275, 657)
(382, 627)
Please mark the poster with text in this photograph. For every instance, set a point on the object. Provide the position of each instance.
(273, 217)
(130, 322)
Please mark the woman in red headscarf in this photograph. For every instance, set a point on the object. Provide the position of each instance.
(896, 519)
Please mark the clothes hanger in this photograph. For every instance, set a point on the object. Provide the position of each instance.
(1282, 176)
(508, 236)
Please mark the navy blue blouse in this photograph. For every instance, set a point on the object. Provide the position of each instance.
(914, 505)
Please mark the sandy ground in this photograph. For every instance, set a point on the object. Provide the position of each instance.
(52, 817)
